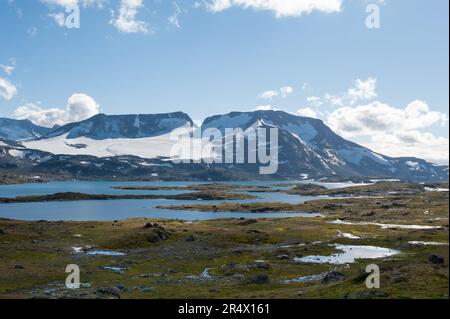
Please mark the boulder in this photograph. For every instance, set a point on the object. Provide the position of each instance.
(157, 233)
(259, 279)
(333, 276)
(436, 259)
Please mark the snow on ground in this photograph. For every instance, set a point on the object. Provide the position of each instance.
(306, 131)
(414, 166)
(355, 155)
(16, 153)
(165, 146)
(430, 189)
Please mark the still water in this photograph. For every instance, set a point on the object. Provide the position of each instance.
(122, 209)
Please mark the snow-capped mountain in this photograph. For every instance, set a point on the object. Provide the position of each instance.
(101, 126)
(146, 136)
(310, 148)
(140, 146)
(19, 130)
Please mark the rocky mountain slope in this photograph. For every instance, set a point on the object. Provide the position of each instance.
(140, 146)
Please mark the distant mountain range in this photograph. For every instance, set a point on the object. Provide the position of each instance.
(139, 147)
(16, 130)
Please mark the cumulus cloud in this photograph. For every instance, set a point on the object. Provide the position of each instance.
(362, 90)
(412, 143)
(307, 112)
(268, 95)
(283, 92)
(393, 131)
(126, 20)
(287, 90)
(379, 117)
(281, 8)
(314, 101)
(7, 89)
(79, 107)
(8, 69)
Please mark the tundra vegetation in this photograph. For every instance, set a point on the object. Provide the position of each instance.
(240, 258)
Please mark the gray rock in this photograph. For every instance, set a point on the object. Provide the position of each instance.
(261, 265)
(190, 238)
(113, 292)
(145, 289)
(158, 233)
(436, 259)
(282, 257)
(121, 287)
(333, 276)
(259, 279)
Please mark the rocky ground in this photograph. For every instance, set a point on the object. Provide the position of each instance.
(239, 258)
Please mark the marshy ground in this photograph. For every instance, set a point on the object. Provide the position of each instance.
(236, 258)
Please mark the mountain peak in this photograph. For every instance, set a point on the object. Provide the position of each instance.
(19, 130)
(102, 126)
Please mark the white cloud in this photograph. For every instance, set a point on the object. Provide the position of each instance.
(378, 117)
(314, 101)
(265, 108)
(62, 3)
(287, 90)
(281, 8)
(126, 21)
(79, 107)
(307, 112)
(393, 131)
(362, 90)
(284, 92)
(411, 143)
(72, 3)
(173, 19)
(268, 95)
(59, 18)
(7, 89)
(8, 69)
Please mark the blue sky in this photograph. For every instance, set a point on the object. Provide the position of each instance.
(204, 60)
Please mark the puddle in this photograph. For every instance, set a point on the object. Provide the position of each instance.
(438, 189)
(77, 250)
(349, 254)
(427, 243)
(347, 235)
(385, 226)
(104, 253)
(205, 274)
(304, 279)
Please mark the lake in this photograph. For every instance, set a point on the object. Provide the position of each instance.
(123, 209)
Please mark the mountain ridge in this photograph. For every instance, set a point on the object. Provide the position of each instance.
(308, 147)
(13, 129)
